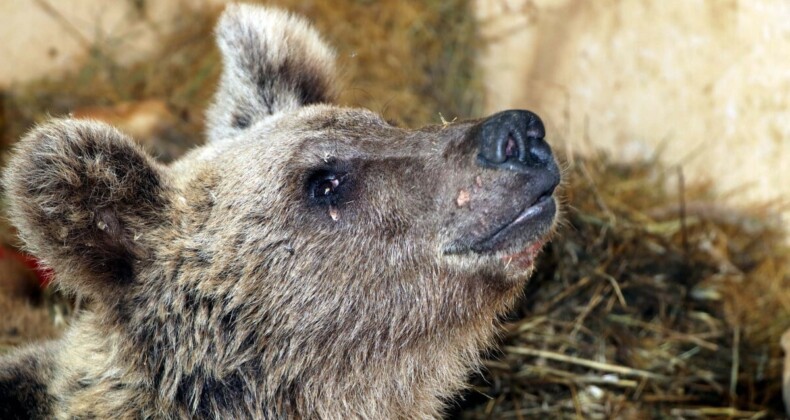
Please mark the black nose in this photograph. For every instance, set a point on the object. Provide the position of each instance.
(513, 140)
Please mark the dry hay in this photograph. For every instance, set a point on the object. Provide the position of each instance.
(651, 301)
(638, 309)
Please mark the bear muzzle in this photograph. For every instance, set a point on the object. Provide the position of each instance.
(510, 208)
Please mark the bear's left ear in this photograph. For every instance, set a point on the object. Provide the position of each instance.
(86, 200)
(272, 62)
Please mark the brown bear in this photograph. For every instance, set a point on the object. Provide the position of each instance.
(309, 261)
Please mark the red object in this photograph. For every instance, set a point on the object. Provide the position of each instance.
(43, 274)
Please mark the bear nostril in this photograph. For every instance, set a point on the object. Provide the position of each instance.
(511, 148)
(513, 140)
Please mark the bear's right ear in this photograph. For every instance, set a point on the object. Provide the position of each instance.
(86, 200)
(272, 62)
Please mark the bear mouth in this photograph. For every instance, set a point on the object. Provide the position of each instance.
(517, 240)
(524, 234)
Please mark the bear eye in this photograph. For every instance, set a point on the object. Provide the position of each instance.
(324, 186)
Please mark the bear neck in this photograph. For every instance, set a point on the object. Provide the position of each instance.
(206, 359)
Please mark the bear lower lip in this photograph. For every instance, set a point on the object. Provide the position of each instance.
(529, 225)
(532, 211)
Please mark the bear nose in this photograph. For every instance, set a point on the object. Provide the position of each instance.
(513, 140)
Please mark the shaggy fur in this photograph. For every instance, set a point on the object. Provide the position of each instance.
(295, 266)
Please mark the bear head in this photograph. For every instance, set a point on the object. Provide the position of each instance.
(310, 258)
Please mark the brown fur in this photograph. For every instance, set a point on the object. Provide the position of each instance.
(222, 289)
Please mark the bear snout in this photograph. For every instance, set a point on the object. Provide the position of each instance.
(510, 206)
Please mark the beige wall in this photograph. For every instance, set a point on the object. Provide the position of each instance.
(708, 80)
